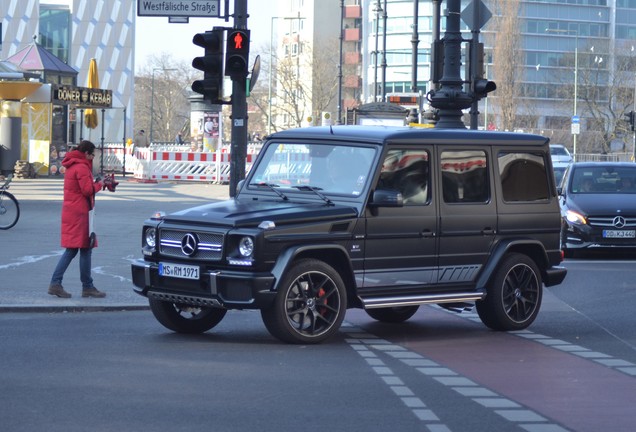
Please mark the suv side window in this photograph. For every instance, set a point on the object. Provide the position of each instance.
(407, 171)
(523, 177)
(464, 176)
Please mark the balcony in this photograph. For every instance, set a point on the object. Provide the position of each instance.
(352, 81)
(352, 58)
(352, 34)
(349, 103)
(353, 11)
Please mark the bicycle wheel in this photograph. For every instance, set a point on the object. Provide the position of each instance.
(9, 210)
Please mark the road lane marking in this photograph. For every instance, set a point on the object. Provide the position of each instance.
(370, 347)
(30, 259)
(603, 359)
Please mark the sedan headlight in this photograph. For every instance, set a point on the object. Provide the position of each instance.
(575, 217)
(246, 246)
(150, 236)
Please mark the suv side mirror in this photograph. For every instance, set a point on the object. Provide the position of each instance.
(386, 198)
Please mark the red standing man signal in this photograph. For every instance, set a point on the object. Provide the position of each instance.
(238, 41)
(237, 54)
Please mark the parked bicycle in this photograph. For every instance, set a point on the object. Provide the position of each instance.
(9, 206)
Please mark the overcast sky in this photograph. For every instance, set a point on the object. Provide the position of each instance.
(154, 35)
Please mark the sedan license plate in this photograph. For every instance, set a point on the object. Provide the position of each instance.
(179, 271)
(619, 234)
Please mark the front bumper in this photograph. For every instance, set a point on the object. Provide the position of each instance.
(216, 288)
(589, 237)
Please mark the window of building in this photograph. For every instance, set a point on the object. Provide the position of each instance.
(55, 30)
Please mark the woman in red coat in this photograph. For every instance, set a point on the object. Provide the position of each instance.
(79, 198)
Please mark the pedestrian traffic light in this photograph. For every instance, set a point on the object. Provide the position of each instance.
(211, 86)
(631, 117)
(237, 54)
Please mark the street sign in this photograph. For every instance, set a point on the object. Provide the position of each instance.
(177, 8)
(467, 15)
(576, 128)
(576, 119)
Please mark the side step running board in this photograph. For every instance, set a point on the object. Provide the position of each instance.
(397, 301)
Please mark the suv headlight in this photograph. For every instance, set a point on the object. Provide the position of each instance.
(241, 251)
(150, 237)
(246, 247)
(575, 217)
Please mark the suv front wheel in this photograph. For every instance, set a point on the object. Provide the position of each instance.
(310, 304)
(514, 295)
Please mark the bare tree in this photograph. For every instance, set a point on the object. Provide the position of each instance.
(605, 91)
(303, 84)
(167, 94)
(507, 60)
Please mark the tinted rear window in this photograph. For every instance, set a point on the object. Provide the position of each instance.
(523, 177)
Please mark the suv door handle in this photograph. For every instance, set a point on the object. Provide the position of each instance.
(427, 234)
(488, 231)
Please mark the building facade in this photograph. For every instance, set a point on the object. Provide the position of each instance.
(305, 47)
(574, 60)
(76, 31)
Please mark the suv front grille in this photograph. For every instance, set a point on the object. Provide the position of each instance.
(209, 246)
(611, 221)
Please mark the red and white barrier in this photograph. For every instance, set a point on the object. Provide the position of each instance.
(165, 163)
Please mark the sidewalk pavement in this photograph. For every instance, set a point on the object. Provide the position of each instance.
(30, 250)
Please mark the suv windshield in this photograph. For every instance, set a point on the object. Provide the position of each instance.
(337, 169)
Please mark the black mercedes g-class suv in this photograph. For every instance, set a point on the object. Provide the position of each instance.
(379, 218)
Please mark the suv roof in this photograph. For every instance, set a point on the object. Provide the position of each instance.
(381, 134)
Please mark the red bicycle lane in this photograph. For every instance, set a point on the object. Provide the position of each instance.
(576, 392)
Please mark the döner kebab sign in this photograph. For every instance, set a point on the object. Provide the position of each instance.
(83, 97)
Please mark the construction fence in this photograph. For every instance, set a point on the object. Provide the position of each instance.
(170, 162)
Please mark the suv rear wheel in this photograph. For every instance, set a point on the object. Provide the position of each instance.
(514, 295)
(182, 318)
(310, 304)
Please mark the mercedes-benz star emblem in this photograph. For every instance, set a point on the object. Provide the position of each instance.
(619, 221)
(189, 244)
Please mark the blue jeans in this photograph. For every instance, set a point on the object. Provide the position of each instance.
(84, 263)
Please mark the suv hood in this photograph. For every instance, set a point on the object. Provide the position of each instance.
(600, 204)
(243, 213)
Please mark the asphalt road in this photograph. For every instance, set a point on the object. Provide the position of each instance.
(30, 250)
(574, 369)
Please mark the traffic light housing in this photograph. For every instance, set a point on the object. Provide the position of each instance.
(481, 87)
(211, 86)
(237, 54)
(631, 117)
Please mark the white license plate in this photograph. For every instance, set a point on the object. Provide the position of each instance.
(179, 271)
(619, 234)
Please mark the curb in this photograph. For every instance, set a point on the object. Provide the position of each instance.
(71, 309)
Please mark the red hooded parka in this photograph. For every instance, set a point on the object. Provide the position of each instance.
(79, 198)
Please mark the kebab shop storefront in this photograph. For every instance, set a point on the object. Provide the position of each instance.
(79, 109)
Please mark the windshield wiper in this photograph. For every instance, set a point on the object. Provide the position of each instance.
(315, 190)
(271, 186)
